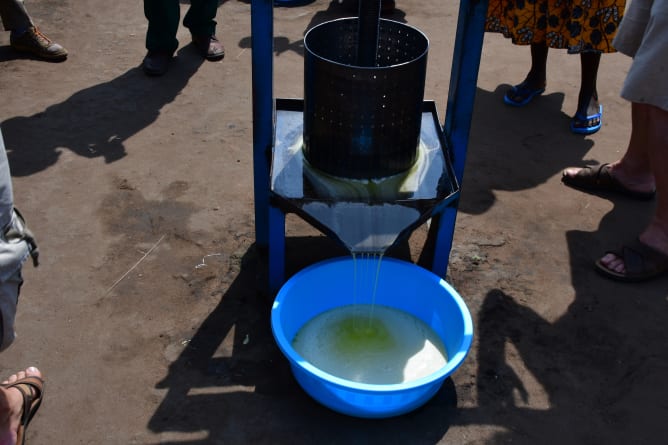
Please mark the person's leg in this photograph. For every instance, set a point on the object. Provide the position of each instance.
(632, 171)
(25, 36)
(12, 405)
(538, 73)
(655, 156)
(535, 81)
(588, 97)
(387, 6)
(656, 234)
(14, 15)
(587, 118)
(200, 20)
(634, 168)
(163, 23)
(352, 6)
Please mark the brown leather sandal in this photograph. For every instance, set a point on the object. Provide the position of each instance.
(601, 180)
(641, 263)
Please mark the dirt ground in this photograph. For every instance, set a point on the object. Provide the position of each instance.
(147, 313)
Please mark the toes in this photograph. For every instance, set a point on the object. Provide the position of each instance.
(571, 171)
(31, 371)
(613, 262)
(14, 377)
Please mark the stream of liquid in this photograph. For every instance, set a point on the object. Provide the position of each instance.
(362, 276)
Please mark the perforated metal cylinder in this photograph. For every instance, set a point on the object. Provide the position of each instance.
(363, 122)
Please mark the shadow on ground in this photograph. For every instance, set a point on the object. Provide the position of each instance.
(232, 383)
(96, 121)
(512, 149)
(602, 364)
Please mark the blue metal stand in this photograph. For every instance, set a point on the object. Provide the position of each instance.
(270, 220)
(459, 112)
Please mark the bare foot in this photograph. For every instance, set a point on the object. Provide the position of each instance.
(11, 406)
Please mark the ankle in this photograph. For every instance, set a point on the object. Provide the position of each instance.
(17, 32)
(631, 172)
(535, 79)
(656, 235)
(587, 101)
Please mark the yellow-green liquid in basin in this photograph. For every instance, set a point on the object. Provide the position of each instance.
(371, 344)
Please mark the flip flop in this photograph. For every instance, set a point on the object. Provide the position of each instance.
(642, 263)
(601, 180)
(32, 390)
(521, 91)
(581, 124)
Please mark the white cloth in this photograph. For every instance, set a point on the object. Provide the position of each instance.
(643, 35)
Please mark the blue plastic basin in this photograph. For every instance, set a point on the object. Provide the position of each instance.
(400, 285)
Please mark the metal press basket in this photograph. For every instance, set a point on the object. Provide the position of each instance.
(363, 121)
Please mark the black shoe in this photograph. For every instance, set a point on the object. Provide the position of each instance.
(156, 63)
(209, 47)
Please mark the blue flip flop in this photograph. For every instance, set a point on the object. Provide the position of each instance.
(522, 90)
(581, 124)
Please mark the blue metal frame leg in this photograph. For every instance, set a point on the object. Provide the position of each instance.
(276, 262)
(459, 113)
(262, 32)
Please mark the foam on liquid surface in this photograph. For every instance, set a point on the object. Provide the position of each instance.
(371, 344)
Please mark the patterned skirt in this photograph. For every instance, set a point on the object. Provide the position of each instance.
(576, 25)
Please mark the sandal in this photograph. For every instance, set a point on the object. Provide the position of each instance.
(601, 180)
(520, 95)
(641, 262)
(32, 390)
(581, 124)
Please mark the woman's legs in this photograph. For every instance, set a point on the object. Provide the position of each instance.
(537, 76)
(587, 119)
(588, 98)
(535, 81)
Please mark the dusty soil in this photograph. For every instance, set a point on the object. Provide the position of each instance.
(148, 314)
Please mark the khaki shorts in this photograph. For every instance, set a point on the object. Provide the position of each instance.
(643, 35)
